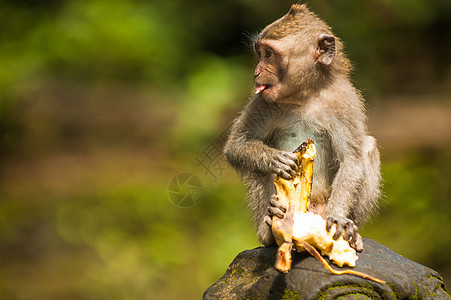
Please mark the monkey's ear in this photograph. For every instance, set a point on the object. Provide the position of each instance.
(325, 48)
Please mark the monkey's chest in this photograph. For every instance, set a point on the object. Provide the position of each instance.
(292, 135)
(324, 168)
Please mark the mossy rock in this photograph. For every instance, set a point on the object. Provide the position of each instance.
(252, 275)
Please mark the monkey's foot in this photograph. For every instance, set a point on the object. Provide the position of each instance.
(346, 228)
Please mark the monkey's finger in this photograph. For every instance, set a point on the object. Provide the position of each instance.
(281, 167)
(286, 164)
(292, 156)
(352, 244)
(273, 211)
(351, 232)
(330, 222)
(358, 243)
(278, 204)
(339, 231)
(290, 159)
(289, 170)
(268, 220)
(284, 174)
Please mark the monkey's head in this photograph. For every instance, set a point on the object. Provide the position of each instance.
(297, 55)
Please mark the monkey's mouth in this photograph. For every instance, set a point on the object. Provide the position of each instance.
(261, 88)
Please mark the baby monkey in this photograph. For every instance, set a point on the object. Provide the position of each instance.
(303, 90)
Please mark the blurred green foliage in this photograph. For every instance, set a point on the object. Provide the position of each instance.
(415, 215)
(103, 102)
(151, 249)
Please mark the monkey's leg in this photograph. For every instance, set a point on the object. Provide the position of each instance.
(264, 233)
(369, 189)
(260, 191)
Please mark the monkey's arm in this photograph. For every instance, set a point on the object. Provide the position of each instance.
(347, 144)
(246, 149)
(345, 183)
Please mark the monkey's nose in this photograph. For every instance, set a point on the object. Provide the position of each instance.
(257, 74)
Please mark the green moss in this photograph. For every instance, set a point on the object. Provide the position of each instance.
(237, 271)
(442, 286)
(416, 291)
(365, 289)
(289, 294)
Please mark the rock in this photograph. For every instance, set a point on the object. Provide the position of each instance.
(252, 275)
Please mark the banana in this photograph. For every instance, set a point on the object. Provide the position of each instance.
(303, 229)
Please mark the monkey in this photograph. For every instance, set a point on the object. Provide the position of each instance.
(303, 90)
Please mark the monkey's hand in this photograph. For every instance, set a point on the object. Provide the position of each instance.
(285, 164)
(347, 226)
(276, 208)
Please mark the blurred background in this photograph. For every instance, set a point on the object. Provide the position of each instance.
(112, 115)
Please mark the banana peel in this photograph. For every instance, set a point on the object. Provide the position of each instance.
(294, 195)
(306, 230)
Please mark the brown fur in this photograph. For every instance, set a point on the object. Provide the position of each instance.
(308, 97)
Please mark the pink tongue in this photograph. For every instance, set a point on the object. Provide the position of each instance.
(260, 89)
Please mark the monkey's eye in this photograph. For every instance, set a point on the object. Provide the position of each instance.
(268, 53)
